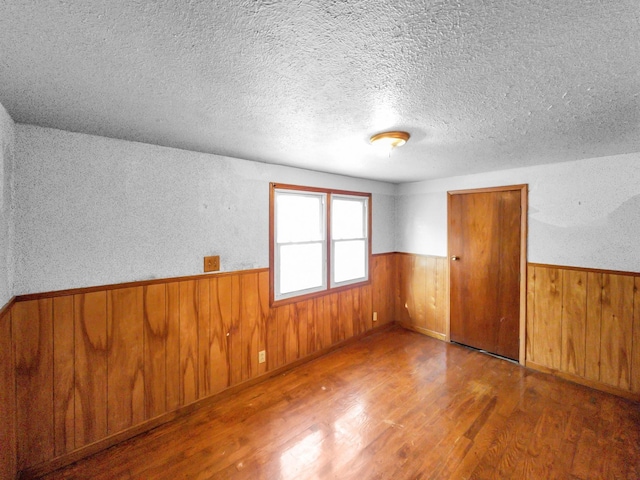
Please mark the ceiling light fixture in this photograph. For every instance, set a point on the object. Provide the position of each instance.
(390, 140)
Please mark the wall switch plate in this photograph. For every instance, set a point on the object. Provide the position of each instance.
(375, 316)
(262, 356)
(212, 264)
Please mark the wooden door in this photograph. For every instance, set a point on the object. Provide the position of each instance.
(485, 269)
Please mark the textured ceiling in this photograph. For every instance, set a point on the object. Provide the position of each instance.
(480, 85)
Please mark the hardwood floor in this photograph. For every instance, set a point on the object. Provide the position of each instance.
(396, 405)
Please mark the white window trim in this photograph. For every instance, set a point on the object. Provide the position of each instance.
(365, 238)
(277, 246)
(329, 286)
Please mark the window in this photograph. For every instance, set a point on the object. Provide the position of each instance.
(320, 240)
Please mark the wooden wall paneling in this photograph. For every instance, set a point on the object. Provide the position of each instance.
(332, 308)
(312, 332)
(366, 309)
(235, 333)
(418, 291)
(265, 317)
(155, 333)
(7, 399)
(383, 290)
(404, 269)
(574, 321)
(431, 294)
(548, 314)
(249, 324)
(90, 338)
(616, 332)
(288, 331)
(301, 318)
(635, 361)
(204, 335)
(173, 365)
(441, 295)
(323, 322)
(593, 326)
(33, 341)
(531, 301)
(274, 355)
(188, 342)
(220, 296)
(345, 314)
(63, 375)
(125, 359)
(357, 322)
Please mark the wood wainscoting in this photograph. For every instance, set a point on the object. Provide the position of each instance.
(421, 294)
(7, 397)
(96, 366)
(584, 325)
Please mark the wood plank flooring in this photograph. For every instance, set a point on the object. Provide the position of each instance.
(396, 405)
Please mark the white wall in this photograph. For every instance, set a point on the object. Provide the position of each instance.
(582, 213)
(95, 211)
(7, 141)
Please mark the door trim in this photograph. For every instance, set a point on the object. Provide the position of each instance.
(524, 213)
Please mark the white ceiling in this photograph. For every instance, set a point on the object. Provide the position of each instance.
(480, 85)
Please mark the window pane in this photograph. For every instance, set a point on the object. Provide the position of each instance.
(300, 267)
(349, 259)
(299, 218)
(348, 219)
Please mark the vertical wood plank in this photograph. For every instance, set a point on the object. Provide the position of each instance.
(431, 294)
(265, 317)
(7, 400)
(220, 324)
(63, 375)
(323, 322)
(617, 325)
(345, 314)
(574, 321)
(172, 364)
(272, 338)
(441, 295)
(235, 333)
(332, 308)
(204, 333)
(125, 359)
(188, 342)
(531, 301)
(312, 333)
(90, 398)
(290, 334)
(366, 308)
(383, 290)
(33, 341)
(418, 291)
(302, 320)
(635, 362)
(249, 324)
(548, 317)
(593, 326)
(155, 350)
(405, 267)
(356, 317)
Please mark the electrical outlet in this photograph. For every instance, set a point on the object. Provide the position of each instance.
(262, 356)
(375, 316)
(212, 264)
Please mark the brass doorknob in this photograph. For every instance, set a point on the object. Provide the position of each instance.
(454, 258)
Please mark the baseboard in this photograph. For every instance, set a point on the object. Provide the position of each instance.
(424, 331)
(93, 448)
(635, 397)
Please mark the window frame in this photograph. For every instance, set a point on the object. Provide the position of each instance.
(328, 267)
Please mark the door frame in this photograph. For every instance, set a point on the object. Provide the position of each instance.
(524, 213)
